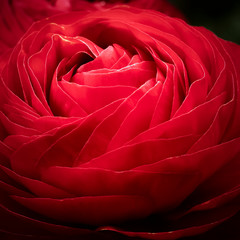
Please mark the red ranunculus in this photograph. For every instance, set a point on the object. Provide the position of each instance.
(122, 119)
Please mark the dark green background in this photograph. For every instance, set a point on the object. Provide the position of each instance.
(221, 17)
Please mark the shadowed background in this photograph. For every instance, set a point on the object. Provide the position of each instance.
(221, 17)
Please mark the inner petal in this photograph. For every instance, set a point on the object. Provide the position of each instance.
(107, 59)
(133, 75)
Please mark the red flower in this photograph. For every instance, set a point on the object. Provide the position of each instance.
(122, 119)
